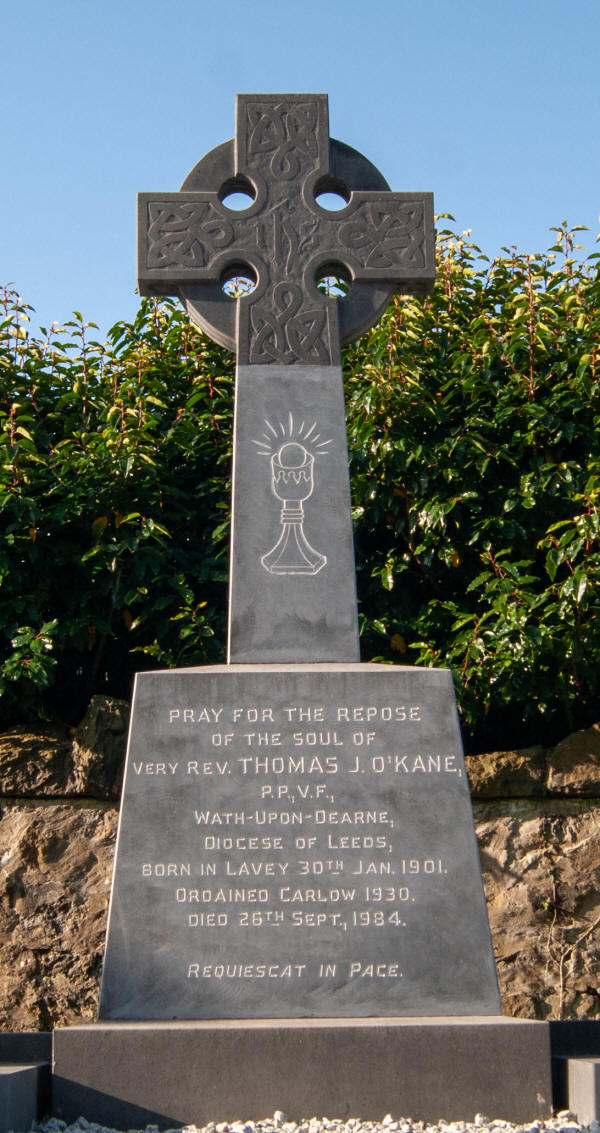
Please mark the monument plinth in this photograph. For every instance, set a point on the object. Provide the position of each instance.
(296, 878)
(296, 841)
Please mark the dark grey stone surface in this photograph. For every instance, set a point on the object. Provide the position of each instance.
(570, 1039)
(291, 599)
(282, 157)
(24, 1094)
(129, 1074)
(25, 1046)
(583, 1076)
(575, 1038)
(296, 841)
(293, 594)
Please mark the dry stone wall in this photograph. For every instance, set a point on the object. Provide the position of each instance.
(537, 815)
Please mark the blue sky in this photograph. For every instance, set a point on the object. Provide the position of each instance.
(493, 105)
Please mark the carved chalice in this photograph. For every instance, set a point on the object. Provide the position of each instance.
(292, 481)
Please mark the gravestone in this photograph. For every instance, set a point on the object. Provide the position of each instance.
(297, 918)
(296, 837)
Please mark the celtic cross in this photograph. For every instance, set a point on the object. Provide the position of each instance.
(283, 158)
(294, 600)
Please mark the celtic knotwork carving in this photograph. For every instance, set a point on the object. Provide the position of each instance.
(287, 334)
(283, 237)
(185, 234)
(287, 131)
(283, 153)
(386, 235)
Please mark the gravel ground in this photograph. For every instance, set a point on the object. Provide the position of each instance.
(565, 1122)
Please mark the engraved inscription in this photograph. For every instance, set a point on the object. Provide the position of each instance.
(295, 846)
(285, 235)
(324, 864)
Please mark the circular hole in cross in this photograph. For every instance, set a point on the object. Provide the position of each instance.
(237, 201)
(238, 280)
(237, 194)
(333, 202)
(333, 280)
(331, 194)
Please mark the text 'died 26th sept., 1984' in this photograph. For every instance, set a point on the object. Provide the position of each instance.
(286, 833)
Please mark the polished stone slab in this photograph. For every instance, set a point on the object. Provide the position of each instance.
(583, 1080)
(128, 1074)
(570, 1039)
(296, 841)
(292, 579)
(24, 1094)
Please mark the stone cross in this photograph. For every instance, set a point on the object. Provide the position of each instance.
(235, 773)
(292, 587)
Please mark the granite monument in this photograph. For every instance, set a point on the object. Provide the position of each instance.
(296, 836)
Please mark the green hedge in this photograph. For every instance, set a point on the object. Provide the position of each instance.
(475, 464)
(114, 506)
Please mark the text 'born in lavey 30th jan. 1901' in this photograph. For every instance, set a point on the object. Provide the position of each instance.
(296, 843)
(313, 834)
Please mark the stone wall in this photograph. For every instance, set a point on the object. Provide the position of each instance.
(537, 815)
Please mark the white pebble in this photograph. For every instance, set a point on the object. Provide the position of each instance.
(564, 1122)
